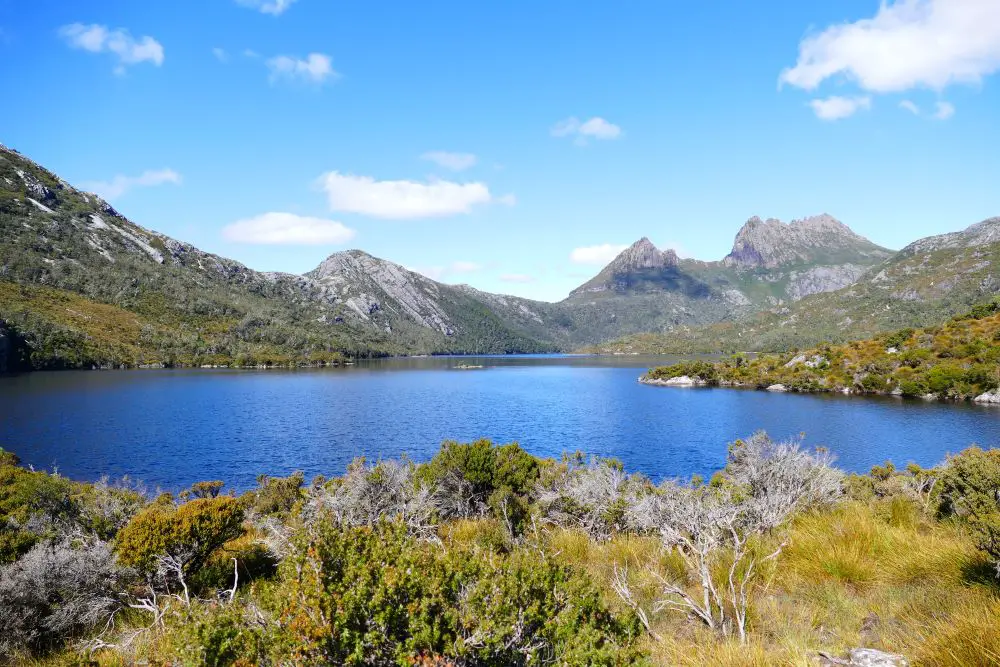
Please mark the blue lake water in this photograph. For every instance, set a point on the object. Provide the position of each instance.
(172, 428)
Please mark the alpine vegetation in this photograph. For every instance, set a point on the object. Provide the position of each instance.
(487, 555)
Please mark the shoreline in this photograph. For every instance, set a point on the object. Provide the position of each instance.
(989, 399)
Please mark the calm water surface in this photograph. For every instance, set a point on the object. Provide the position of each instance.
(172, 428)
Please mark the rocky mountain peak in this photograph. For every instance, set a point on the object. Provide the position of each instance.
(821, 238)
(643, 255)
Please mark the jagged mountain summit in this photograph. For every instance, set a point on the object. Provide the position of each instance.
(820, 239)
(642, 267)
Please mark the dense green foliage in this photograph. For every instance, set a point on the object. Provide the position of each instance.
(958, 360)
(970, 492)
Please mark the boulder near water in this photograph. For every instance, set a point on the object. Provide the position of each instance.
(989, 398)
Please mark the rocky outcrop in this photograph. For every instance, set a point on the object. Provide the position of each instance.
(367, 284)
(864, 657)
(642, 262)
(771, 243)
(982, 233)
(679, 381)
(988, 398)
(819, 279)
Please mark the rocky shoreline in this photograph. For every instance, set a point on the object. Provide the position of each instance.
(987, 398)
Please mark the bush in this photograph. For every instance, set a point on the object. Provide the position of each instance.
(970, 484)
(370, 494)
(477, 478)
(190, 533)
(424, 602)
(57, 590)
(592, 496)
(277, 495)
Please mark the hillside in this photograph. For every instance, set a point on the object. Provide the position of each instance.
(81, 285)
(959, 360)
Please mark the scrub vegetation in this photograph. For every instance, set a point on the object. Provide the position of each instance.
(487, 555)
(959, 360)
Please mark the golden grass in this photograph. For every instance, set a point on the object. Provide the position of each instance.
(883, 576)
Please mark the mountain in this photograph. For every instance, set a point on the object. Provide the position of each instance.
(425, 312)
(645, 289)
(820, 239)
(926, 282)
(82, 285)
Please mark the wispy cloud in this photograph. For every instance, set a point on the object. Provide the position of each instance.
(316, 68)
(126, 49)
(907, 44)
(272, 7)
(287, 229)
(581, 131)
(596, 254)
(220, 55)
(836, 107)
(453, 161)
(121, 184)
(944, 110)
(402, 200)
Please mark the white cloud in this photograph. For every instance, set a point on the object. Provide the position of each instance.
(909, 43)
(596, 254)
(314, 68)
(836, 107)
(220, 55)
(403, 200)
(944, 111)
(121, 184)
(250, 53)
(910, 106)
(516, 278)
(272, 7)
(99, 39)
(594, 128)
(453, 161)
(287, 229)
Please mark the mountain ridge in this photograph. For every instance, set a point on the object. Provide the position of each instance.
(80, 284)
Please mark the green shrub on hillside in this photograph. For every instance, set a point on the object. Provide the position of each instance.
(190, 532)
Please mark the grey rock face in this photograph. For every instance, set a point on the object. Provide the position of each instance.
(865, 657)
(771, 243)
(365, 282)
(643, 255)
(822, 279)
(980, 234)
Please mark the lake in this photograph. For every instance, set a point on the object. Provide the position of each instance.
(171, 428)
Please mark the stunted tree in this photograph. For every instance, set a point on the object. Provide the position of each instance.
(711, 527)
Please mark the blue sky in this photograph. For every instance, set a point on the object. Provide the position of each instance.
(511, 145)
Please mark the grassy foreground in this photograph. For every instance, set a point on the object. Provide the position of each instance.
(487, 555)
(958, 360)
